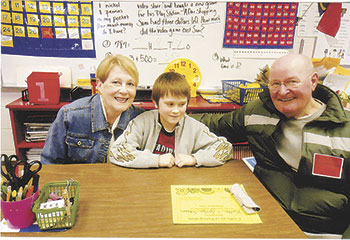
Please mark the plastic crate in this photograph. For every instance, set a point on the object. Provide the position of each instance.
(57, 217)
(232, 91)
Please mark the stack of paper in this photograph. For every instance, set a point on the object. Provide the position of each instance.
(36, 132)
(33, 154)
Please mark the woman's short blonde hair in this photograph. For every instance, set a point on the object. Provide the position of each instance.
(170, 83)
(111, 61)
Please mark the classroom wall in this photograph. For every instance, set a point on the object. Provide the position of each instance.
(155, 33)
(7, 95)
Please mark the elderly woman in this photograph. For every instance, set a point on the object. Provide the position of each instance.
(83, 129)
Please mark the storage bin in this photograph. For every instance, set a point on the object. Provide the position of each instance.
(57, 217)
(231, 89)
(44, 87)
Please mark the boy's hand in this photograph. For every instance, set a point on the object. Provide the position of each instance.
(185, 160)
(166, 160)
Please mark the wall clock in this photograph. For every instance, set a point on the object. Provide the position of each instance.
(189, 69)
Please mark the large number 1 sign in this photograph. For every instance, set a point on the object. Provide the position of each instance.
(42, 97)
(44, 87)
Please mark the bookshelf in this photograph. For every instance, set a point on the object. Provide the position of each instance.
(22, 112)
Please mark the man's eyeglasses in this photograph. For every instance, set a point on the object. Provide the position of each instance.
(290, 84)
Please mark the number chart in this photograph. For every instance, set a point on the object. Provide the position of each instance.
(260, 25)
(48, 28)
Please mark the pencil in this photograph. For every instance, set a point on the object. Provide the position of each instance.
(30, 182)
(30, 191)
(19, 194)
(25, 191)
(8, 194)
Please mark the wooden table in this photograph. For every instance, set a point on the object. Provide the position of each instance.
(122, 202)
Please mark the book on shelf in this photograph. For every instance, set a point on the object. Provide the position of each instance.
(36, 132)
(33, 154)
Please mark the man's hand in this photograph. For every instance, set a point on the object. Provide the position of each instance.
(166, 160)
(185, 160)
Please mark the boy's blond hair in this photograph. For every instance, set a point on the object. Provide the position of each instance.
(111, 61)
(170, 83)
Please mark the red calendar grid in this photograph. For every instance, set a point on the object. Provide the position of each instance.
(260, 25)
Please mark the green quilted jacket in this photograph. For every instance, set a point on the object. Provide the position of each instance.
(318, 203)
(256, 122)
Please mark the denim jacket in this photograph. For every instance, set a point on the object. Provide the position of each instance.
(80, 132)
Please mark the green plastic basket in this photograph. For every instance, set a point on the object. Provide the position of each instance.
(57, 217)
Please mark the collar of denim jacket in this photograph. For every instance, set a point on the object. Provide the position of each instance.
(98, 118)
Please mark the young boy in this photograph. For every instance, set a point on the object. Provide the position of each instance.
(167, 136)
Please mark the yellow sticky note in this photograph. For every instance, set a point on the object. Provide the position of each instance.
(83, 82)
(59, 21)
(19, 31)
(44, 7)
(73, 33)
(17, 18)
(85, 21)
(6, 30)
(207, 204)
(73, 8)
(6, 41)
(5, 5)
(86, 9)
(58, 8)
(5, 17)
(33, 19)
(16, 5)
(86, 33)
(61, 33)
(72, 21)
(31, 6)
(46, 20)
(33, 32)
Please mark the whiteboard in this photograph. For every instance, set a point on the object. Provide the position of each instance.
(155, 33)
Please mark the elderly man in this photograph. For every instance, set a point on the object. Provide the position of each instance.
(299, 134)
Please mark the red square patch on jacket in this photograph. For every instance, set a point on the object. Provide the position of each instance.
(327, 166)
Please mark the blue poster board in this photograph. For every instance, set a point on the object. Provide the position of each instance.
(49, 29)
(260, 25)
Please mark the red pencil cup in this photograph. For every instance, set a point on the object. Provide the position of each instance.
(18, 214)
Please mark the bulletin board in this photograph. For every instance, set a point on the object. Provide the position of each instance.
(153, 34)
(260, 25)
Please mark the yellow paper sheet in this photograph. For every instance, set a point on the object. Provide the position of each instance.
(342, 71)
(326, 62)
(207, 204)
(215, 98)
(83, 83)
